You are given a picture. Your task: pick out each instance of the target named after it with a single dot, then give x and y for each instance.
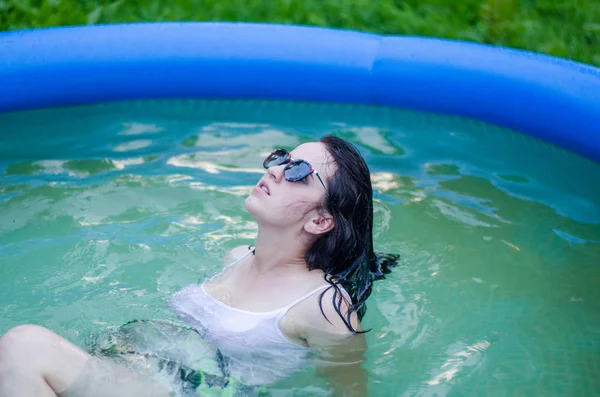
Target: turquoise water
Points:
(107, 210)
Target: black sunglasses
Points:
(295, 170)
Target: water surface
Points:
(107, 210)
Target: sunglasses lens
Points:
(277, 157)
(297, 171)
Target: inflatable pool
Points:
(549, 98)
(127, 151)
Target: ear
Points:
(319, 223)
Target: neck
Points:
(278, 249)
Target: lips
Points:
(263, 186)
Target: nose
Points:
(276, 172)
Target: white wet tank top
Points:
(256, 350)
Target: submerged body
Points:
(261, 347)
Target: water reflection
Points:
(374, 138)
(132, 145)
(469, 356)
(197, 161)
(74, 168)
(256, 136)
(239, 191)
(460, 215)
(385, 181)
(140, 129)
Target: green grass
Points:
(569, 29)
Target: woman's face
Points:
(288, 203)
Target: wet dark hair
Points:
(345, 253)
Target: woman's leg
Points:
(37, 362)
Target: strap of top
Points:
(241, 258)
(320, 288)
(235, 262)
(284, 310)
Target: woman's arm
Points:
(340, 353)
(340, 362)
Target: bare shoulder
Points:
(235, 254)
(329, 320)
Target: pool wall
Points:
(550, 98)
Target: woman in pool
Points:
(301, 288)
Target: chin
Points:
(254, 207)
(250, 204)
(264, 214)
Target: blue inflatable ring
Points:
(550, 98)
